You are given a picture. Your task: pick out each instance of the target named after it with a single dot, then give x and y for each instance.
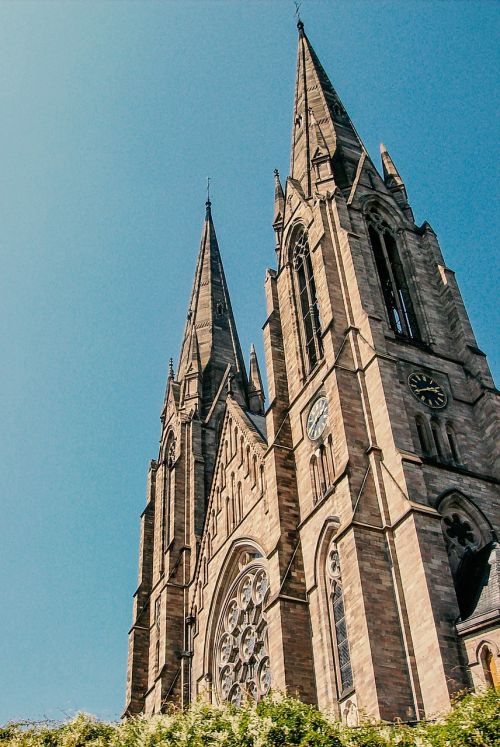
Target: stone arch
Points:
(394, 270)
(322, 586)
(488, 658)
(243, 554)
(291, 235)
(465, 527)
(380, 204)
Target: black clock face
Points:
(427, 390)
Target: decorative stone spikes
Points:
(394, 182)
(255, 388)
(391, 174)
(279, 208)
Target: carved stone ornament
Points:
(241, 666)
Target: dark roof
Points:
(478, 582)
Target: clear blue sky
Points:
(112, 114)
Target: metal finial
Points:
(297, 10)
(171, 368)
(276, 173)
(208, 190)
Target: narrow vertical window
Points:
(422, 434)
(341, 635)
(436, 436)
(307, 301)
(452, 443)
(339, 624)
(315, 478)
(392, 278)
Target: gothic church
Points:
(340, 542)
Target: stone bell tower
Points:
(394, 422)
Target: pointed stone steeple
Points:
(325, 143)
(255, 388)
(393, 181)
(211, 342)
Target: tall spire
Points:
(324, 140)
(210, 337)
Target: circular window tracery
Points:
(242, 665)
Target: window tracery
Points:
(392, 278)
(343, 656)
(465, 529)
(242, 655)
(307, 299)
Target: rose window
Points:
(242, 666)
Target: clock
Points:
(427, 390)
(317, 418)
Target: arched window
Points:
(452, 443)
(316, 490)
(241, 666)
(261, 479)
(343, 656)
(436, 437)
(240, 502)
(325, 475)
(423, 434)
(234, 508)
(307, 300)
(331, 455)
(341, 635)
(392, 278)
(469, 539)
(489, 665)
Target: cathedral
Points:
(337, 542)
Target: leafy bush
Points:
(277, 721)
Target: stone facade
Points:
(341, 544)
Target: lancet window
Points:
(307, 300)
(339, 624)
(241, 665)
(392, 278)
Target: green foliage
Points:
(277, 721)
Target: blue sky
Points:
(112, 114)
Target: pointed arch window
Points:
(343, 656)
(392, 278)
(436, 437)
(490, 671)
(307, 299)
(452, 443)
